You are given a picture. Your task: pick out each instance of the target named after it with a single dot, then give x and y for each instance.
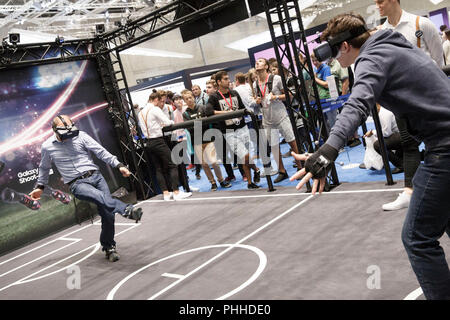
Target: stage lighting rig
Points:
(100, 28)
(14, 38)
(59, 40)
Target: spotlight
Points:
(59, 40)
(100, 28)
(14, 38)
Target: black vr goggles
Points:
(66, 132)
(330, 48)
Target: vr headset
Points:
(66, 132)
(330, 48)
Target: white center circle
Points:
(262, 264)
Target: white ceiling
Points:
(77, 18)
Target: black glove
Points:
(319, 163)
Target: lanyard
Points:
(265, 87)
(231, 100)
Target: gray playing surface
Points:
(230, 245)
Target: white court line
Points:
(26, 279)
(414, 295)
(228, 249)
(278, 195)
(96, 247)
(45, 244)
(172, 275)
(41, 257)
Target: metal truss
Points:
(286, 47)
(159, 22)
(124, 118)
(43, 53)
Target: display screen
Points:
(30, 98)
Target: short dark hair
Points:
(154, 95)
(220, 75)
(345, 22)
(240, 77)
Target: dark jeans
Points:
(411, 153)
(95, 189)
(427, 219)
(161, 158)
(393, 142)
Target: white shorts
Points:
(239, 141)
(273, 132)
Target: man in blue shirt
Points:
(322, 71)
(69, 150)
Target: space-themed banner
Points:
(29, 100)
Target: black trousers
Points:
(411, 153)
(161, 158)
(393, 142)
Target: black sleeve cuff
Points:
(329, 152)
(120, 165)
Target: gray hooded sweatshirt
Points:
(400, 77)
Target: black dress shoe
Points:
(281, 176)
(397, 170)
(133, 213)
(257, 176)
(252, 186)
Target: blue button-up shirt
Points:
(71, 157)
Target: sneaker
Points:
(168, 197)
(198, 176)
(181, 195)
(194, 189)
(362, 166)
(401, 202)
(111, 254)
(272, 172)
(230, 179)
(134, 213)
(213, 186)
(61, 196)
(235, 167)
(253, 186)
(281, 176)
(225, 184)
(257, 176)
(190, 167)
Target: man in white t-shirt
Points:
(422, 33)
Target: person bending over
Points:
(381, 75)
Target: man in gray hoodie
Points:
(402, 78)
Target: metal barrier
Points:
(222, 117)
